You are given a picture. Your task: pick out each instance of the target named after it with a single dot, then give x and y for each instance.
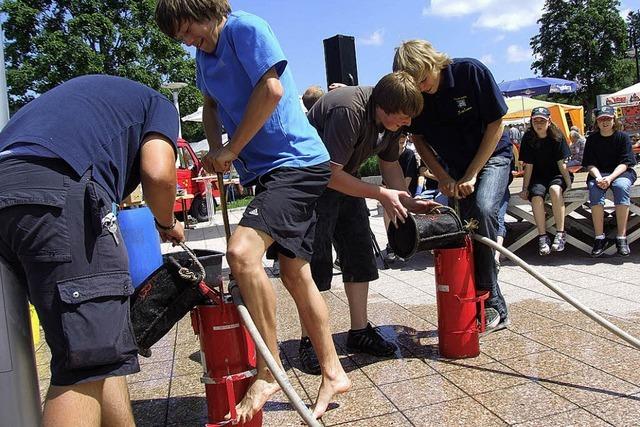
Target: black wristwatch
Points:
(162, 227)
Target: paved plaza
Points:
(552, 367)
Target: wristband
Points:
(162, 227)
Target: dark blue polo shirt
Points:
(93, 121)
(455, 118)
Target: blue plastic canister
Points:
(142, 241)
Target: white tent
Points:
(628, 96)
(194, 117)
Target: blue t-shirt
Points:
(246, 50)
(94, 121)
(455, 118)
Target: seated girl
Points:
(609, 159)
(544, 152)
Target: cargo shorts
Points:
(75, 270)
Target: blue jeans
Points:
(621, 187)
(504, 204)
(483, 205)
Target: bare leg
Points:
(116, 403)
(296, 276)
(76, 405)
(597, 215)
(557, 205)
(244, 254)
(537, 204)
(357, 295)
(622, 216)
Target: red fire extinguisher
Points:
(227, 355)
(458, 303)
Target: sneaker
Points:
(308, 359)
(370, 341)
(623, 246)
(543, 245)
(598, 247)
(491, 318)
(496, 324)
(390, 255)
(559, 241)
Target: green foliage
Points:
(585, 41)
(370, 167)
(633, 23)
(49, 42)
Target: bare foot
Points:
(257, 395)
(330, 386)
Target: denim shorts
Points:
(621, 188)
(343, 221)
(77, 276)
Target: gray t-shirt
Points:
(346, 121)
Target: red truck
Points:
(188, 166)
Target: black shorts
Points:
(77, 277)
(541, 188)
(284, 208)
(344, 221)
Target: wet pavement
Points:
(552, 366)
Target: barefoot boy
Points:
(247, 86)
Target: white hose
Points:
(586, 310)
(262, 348)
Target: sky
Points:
(497, 32)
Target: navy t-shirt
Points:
(543, 154)
(454, 119)
(607, 152)
(95, 121)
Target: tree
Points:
(584, 41)
(633, 22)
(49, 42)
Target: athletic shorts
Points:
(284, 208)
(344, 221)
(77, 276)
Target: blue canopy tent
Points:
(537, 86)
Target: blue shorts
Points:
(77, 276)
(621, 188)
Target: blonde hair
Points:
(398, 93)
(420, 59)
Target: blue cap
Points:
(540, 112)
(605, 111)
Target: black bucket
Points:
(210, 260)
(439, 229)
(166, 296)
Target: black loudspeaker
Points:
(340, 60)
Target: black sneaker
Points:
(494, 322)
(598, 247)
(308, 359)
(622, 246)
(369, 340)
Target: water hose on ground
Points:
(635, 342)
(279, 375)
